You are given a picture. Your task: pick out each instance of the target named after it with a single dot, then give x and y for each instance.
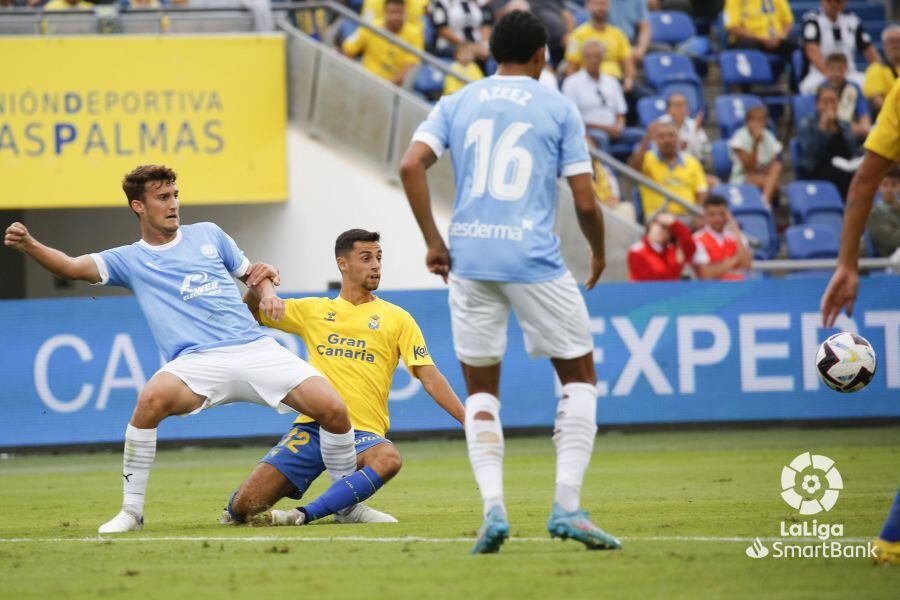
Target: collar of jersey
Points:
(165, 246)
(512, 77)
(343, 300)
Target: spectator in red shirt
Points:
(663, 251)
(721, 250)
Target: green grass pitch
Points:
(676, 499)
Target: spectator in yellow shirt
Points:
(760, 25)
(68, 5)
(465, 66)
(618, 61)
(373, 10)
(381, 56)
(880, 77)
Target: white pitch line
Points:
(404, 539)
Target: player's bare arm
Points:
(80, 268)
(590, 220)
(413, 173)
(437, 386)
(844, 285)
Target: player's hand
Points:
(17, 236)
(438, 261)
(272, 306)
(598, 263)
(258, 272)
(840, 294)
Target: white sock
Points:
(338, 453)
(140, 450)
(485, 442)
(573, 433)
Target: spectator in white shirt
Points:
(755, 154)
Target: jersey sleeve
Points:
(701, 256)
(232, 257)
(863, 39)
(435, 129)
(439, 15)
(113, 266)
(294, 317)
(810, 31)
(411, 344)
(884, 139)
(574, 158)
(356, 43)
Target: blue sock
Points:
(891, 530)
(350, 490)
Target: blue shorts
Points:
(299, 458)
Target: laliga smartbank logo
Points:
(810, 484)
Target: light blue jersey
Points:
(510, 139)
(185, 288)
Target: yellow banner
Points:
(76, 114)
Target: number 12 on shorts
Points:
(505, 169)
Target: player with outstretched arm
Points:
(882, 154)
(356, 341)
(510, 139)
(182, 277)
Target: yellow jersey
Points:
(618, 48)
(62, 5)
(884, 139)
(763, 18)
(356, 348)
(471, 70)
(379, 55)
(685, 179)
(878, 81)
(373, 10)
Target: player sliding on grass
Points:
(355, 340)
(510, 139)
(882, 154)
(216, 352)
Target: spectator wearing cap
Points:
(662, 253)
(755, 154)
(721, 250)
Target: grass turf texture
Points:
(640, 486)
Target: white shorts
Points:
(552, 314)
(261, 372)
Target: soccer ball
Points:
(846, 362)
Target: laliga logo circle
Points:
(811, 483)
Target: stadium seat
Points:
(801, 106)
(816, 203)
(742, 196)
(638, 205)
(663, 67)
(811, 241)
(721, 159)
(692, 90)
(731, 110)
(671, 27)
(429, 82)
(754, 216)
(794, 147)
(745, 67)
(650, 109)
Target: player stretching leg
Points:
(882, 154)
(510, 139)
(216, 352)
(355, 340)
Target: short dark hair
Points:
(516, 37)
(134, 183)
(400, 2)
(715, 200)
(825, 87)
(836, 57)
(344, 243)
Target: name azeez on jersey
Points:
(504, 92)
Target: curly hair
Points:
(135, 182)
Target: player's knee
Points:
(153, 404)
(334, 417)
(389, 464)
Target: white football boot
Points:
(123, 522)
(360, 513)
(288, 517)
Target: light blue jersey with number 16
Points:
(510, 139)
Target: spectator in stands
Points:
(68, 5)
(606, 188)
(459, 22)
(676, 171)
(721, 249)
(379, 55)
(559, 23)
(373, 10)
(852, 106)
(631, 17)
(826, 30)
(662, 252)
(599, 98)
(617, 58)
(755, 154)
(880, 77)
(884, 221)
(464, 65)
(760, 25)
(823, 137)
(692, 139)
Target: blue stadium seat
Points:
(811, 241)
(692, 90)
(663, 67)
(801, 106)
(346, 29)
(638, 205)
(731, 110)
(429, 82)
(650, 109)
(671, 27)
(794, 147)
(816, 203)
(721, 159)
(742, 197)
(745, 67)
(753, 214)
(874, 28)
